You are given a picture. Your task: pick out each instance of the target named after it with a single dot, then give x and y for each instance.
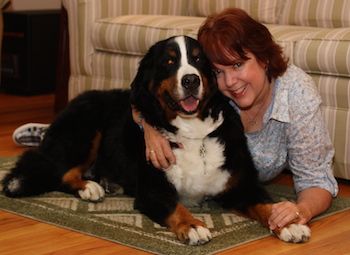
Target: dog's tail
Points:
(33, 174)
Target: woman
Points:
(279, 108)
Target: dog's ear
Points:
(144, 73)
(143, 96)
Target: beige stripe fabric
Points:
(335, 94)
(72, 10)
(338, 125)
(81, 83)
(266, 11)
(315, 50)
(317, 13)
(287, 36)
(116, 67)
(335, 91)
(83, 13)
(140, 32)
(325, 51)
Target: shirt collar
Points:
(280, 102)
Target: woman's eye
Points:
(237, 65)
(217, 72)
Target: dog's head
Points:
(174, 78)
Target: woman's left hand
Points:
(286, 212)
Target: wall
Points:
(19, 5)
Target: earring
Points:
(267, 67)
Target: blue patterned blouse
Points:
(294, 135)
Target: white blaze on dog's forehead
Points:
(185, 67)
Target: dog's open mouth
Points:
(189, 105)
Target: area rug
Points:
(115, 219)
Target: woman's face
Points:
(245, 81)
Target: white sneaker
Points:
(30, 134)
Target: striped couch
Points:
(107, 39)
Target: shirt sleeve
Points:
(310, 150)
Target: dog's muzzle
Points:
(190, 82)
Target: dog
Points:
(175, 90)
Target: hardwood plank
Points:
(20, 235)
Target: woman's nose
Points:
(230, 79)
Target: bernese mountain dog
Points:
(176, 92)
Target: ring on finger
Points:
(152, 151)
(297, 214)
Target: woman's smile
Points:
(239, 92)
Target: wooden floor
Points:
(23, 236)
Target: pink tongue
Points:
(189, 104)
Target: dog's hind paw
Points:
(199, 235)
(295, 233)
(12, 186)
(92, 192)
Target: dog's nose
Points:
(190, 81)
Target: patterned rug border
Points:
(102, 228)
(58, 218)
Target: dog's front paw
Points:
(193, 235)
(295, 233)
(187, 228)
(199, 235)
(92, 192)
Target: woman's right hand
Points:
(158, 149)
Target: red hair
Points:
(229, 35)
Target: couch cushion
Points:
(315, 50)
(330, 13)
(121, 68)
(287, 36)
(266, 11)
(140, 32)
(326, 51)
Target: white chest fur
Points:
(198, 170)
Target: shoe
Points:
(30, 134)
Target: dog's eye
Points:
(196, 59)
(170, 62)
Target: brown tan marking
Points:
(206, 87)
(167, 86)
(206, 96)
(181, 221)
(231, 183)
(172, 53)
(260, 212)
(195, 52)
(73, 177)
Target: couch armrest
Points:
(63, 66)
